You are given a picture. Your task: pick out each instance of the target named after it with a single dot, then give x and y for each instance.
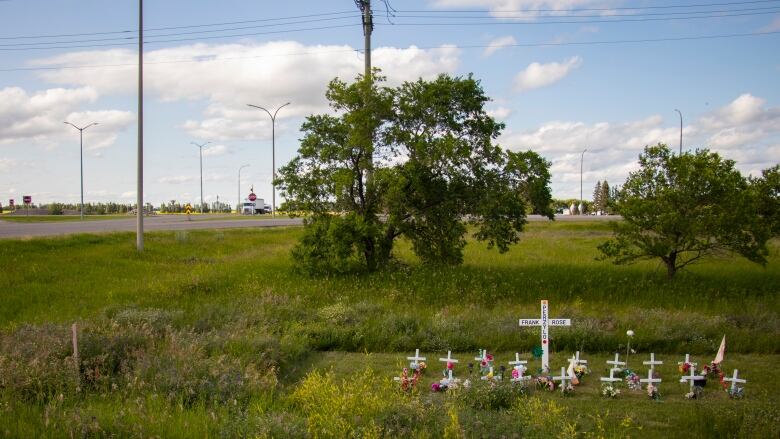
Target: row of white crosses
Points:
(616, 363)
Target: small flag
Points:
(721, 351)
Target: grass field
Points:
(213, 334)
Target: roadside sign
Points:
(11, 202)
(252, 197)
(27, 199)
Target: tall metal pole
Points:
(140, 183)
(368, 27)
(582, 158)
(81, 160)
(238, 206)
(200, 147)
(273, 153)
(681, 126)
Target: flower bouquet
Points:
(545, 383)
(567, 390)
(652, 392)
(632, 380)
(736, 392)
(609, 391)
(581, 370)
(696, 393)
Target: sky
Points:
(564, 76)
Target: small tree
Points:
(604, 197)
(681, 208)
(415, 161)
(597, 197)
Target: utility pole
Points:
(273, 154)
(238, 206)
(81, 159)
(200, 147)
(681, 126)
(139, 232)
(582, 158)
(368, 27)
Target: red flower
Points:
(489, 357)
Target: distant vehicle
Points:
(256, 207)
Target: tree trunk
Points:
(671, 265)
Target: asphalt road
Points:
(10, 229)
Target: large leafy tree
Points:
(419, 161)
(682, 208)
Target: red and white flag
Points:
(721, 351)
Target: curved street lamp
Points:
(273, 153)
(582, 158)
(81, 159)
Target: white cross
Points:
(687, 360)
(545, 322)
(563, 378)
(616, 362)
(734, 380)
(482, 355)
(447, 362)
(692, 377)
(652, 362)
(415, 364)
(612, 378)
(518, 366)
(576, 358)
(650, 380)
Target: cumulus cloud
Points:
(216, 150)
(177, 179)
(744, 130)
(498, 44)
(229, 76)
(39, 116)
(500, 112)
(538, 75)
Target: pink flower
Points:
(483, 363)
(435, 387)
(515, 373)
(489, 357)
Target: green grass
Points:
(199, 309)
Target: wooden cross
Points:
(616, 362)
(576, 358)
(734, 380)
(483, 357)
(650, 380)
(652, 362)
(692, 377)
(612, 378)
(415, 364)
(518, 365)
(563, 378)
(447, 362)
(544, 322)
(687, 360)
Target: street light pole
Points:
(200, 147)
(238, 206)
(273, 153)
(139, 227)
(81, 159)
(582, 158)
(681, 126)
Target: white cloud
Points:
(177, 179)
(538, 75)
(498, 44)
(39, 116)
(500, 113)
(229, 76)
(7, 164)
(511, 8)
(216, 150)
(744, 130)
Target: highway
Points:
(11, 229)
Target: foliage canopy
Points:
(413, 161)
(681, 208)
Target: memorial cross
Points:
(415, 364)
(650, 380)
(616, 362)
(692, 377)
(563, 378)
(576, 357)
(652, 362)
(447, 361)
(734, 380)
(518, 365)
(544, 322)
(687, 360)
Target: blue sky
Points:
(556, 95)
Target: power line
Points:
(441, 47)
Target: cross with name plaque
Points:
(544, 322)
